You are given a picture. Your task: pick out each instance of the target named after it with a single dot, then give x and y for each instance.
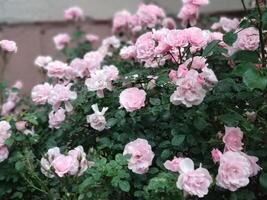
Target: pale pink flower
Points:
(111, 71)
(3, 153)
(40, 93)
(182, 71)
(61, 40)
(7, 107)
(94, 60)
(169, 23)
(5, 132)
(177, 38)
(247, 39)
(233, 139)
(189, 14)
(121, 20)
(254, 167)
(174, 164)
(197, 2)
(173, 76)
(97, 120)
(56, 118)
(127, 53)
(111, 42)
(80, 67)
(42, 61)
(74, 13)
(196, 62)
(18, 85)
(98, 82)
(62, 164)
(145, 46)
(56, 69)
(141, 155)
(193, 181)
(21, 125)
(210, 78)
(46, 161)
(216, 155)
(234, 171)
(226, 24)
(196, 37)
(92, 38)
(8, 46)
(132, 99)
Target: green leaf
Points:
(124, 186)
(210, 47)
(263, 180)
(240, 69)
(177, 140)
(264, 18)
(254, 80)
(111, 122)
(229, 38)
(154, 101)
(246, 56)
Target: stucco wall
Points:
(16, 11)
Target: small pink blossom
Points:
(21, 125)
(226, 24)
(177, 38)
(62, 164)
(247, 39)
(40, 93)
(173, 165)
(56, 69)
(80, 67)
(233, 139)
(196, 62)
(132, 99)
(3, 153)
(8, 46)
(121, 20)
(196, 37)
(92, 38)
(61, 40)
(173, 76)
(74, 13)
(56, 118)
(145, 46)
(216, 155)
(169, 23)
(189, 14)
(193, 181)
(127, 53)
(42, 61)
(141, 155)
(94, 60)
(97, 120)
(7, 107)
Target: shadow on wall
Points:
(36, 39)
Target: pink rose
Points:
(56, 69)
(194, 182)
(46, 161)
(127, 53)
(18, 85)
(226, 24)
(3, 153)
(8, 46)
(182, 71)
(98, 82)
(234, 171)
(233, 139)
(120, 20)
(62, 164)
(56, 118)
(173, 165)
(196, 37)
(7, 107)
(173, 76)
(111, 72)
(42, 61)
(92, 38)
(196, 62)
(40, 93)
(145, 46)
(21, 125)
(5, 130)
(97, 120)
(216, 155)
(80, 67)
(169, 23)
(132, 99)
(210, 78)
(93, 59)
(189, 14)
(141, 155)
(61, 40)
(177, 38)
(247, 39)
(74, 14)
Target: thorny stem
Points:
(260, 27)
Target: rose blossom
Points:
(62, 164)
(92, 38)
(98, 82)
(3, 153)
(80, 67)
(21, 125)
(196, 62)
(174, 164)
(189, 14)
(247, 39)
(40, 93)
(145, 46)
(210, 78)
(42, 61)
(46, 161)
(74, 13)
(169, 23)
(173, 76)
(141, 155)
(233, 139)
(94, 60)
(56, 118)
(196, 37)
(127, 53)
(234, 171)
(7, 107)
(226, 24)
(56, 69)
(120, 20)
(61, 40)
(132, 99)
(8, 46)
(177, 38)
(193, 181)
(97, 120)
(216, 155)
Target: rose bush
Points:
(155, 112)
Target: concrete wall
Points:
(17, 11)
